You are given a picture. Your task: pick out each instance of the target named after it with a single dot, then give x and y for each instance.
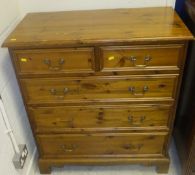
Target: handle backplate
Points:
(48, 62)
(147, 59)
(132, 90)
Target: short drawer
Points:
(50, 61)
(126, 58)
(107, 145)
(99, 118)
(98, 88)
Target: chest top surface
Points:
(97, 26)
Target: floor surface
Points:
(118, 170)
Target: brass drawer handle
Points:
(54, 92)
(54, 68)
(66, 90)
(133, 90)
(131, 120)
(69, 148)
(147, 59)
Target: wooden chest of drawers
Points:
(100, 87)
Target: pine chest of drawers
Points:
(100, 87)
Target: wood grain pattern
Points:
(115, 58)
(50, 61)
(91, 88)
(45, 163)
(86, 110)
(100, 118)
(105, 145)
(97, 26)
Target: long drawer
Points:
(99, 88)
(54, 61)
(115, 58)
(61, 119)
(110, 145)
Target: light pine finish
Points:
(133, 58)
(49, 61)
(106, 145)
(98, 27)
(101, 87)
(100, 118)
(93, 88)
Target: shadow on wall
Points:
(179, 7)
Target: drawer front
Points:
(101, 88)
(88, 118)
(141, 57)
(126, 144)
(50, 61)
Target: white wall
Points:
(9, 10)
(62, 5)
(9, 91)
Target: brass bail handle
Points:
(56, 92)
(147, 59)
(48, 62)
(132, 90)
(131, 119)
(69, 148)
